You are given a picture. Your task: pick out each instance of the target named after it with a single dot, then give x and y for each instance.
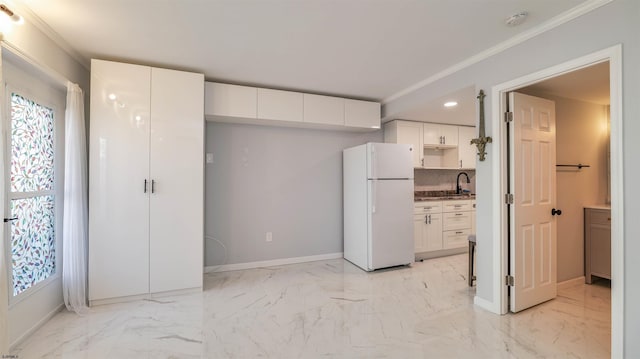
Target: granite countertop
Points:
(419, 196)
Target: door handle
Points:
(10, 219)
(556, 212)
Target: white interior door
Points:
(532, 242)
(177, 175)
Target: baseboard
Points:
(571, 283)
(271, 263)
(133, 298)
(486, 305)
(441, 253)
(35, 327)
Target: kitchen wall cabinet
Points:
(145, 181)
(438, 135)
(361, 114)
(259, 106)
(231, 100)
(436, 146)
(466, 151)
(442, 227)
(280, 105)
(325, 110)
(406, 132)
(597, 238)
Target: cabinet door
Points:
(466, 151)
(280, 105)
(433, 232)
(177, 172)
(455, 239)
(363, 114)
(431, 134)
(449, 135)
(230, 100)
(418, 232)
(456, 220)
(411, 133)
(118, 167)
(323, 110)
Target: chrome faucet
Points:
(458, 187)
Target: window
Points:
(31, 193)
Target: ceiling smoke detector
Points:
(516, 19)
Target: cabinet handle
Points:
(145, 185)
(458, 232)
(426, 219)
(429, 219)
(444, 140)
(422, 161)
(460, 163)
(458, 214)
(153, 186)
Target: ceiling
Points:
(435, 111)
(590, 84)
(368, 49)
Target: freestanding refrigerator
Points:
(378, 205)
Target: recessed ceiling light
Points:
(450, 104)
(112, 96)
(516, 19)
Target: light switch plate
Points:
(209, 158)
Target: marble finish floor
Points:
(332, 309)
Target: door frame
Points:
(500, 213)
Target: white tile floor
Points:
(332, 309)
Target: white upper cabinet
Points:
(280, 105)
(466, 151)
(409, 133)
(259, 106)
(325, 110)
(230, 100)
(437, 135)
(361, 113)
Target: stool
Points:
(472, 250)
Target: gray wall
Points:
(287, 181)
(615, 23)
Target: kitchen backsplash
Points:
(440, 180)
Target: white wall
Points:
(287, 181)
(38, 47)
(615, 23)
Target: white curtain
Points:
(74, 233)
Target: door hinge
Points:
(508, 117)
(509, 281)
(508, 198)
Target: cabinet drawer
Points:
(600, 216)
(456, 220)
(456, 206)
(427, 207)
(455, 239)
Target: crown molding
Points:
(32, 18)
(552, 23)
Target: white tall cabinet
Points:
(146, 181)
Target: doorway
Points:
(501, 223)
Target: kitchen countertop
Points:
(420, 196)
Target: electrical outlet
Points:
(269, 236)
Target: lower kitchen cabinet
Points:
(442, 227)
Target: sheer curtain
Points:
(74, 233)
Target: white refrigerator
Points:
(378, 205)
